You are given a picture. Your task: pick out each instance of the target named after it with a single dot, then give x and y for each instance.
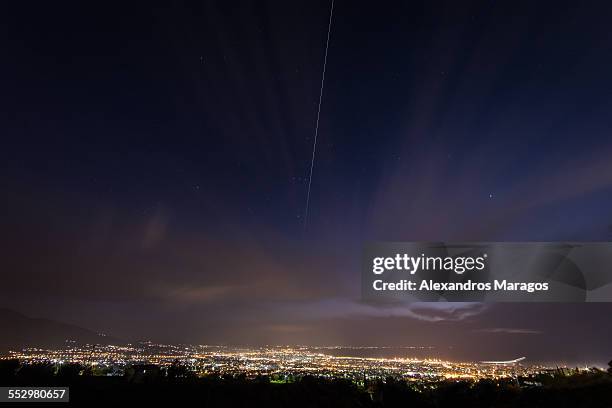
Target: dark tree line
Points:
(177, 385)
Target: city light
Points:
(275, 361)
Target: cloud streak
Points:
(505, 330)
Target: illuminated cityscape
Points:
(282, 363)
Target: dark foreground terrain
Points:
(151, 386)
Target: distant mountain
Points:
(18, 331)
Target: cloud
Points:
(347, 308)
(506, 330)
(447, 311)
(155, 229)
(287, 328)
(202, 294)
(412, 200)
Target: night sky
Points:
(155, 161)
